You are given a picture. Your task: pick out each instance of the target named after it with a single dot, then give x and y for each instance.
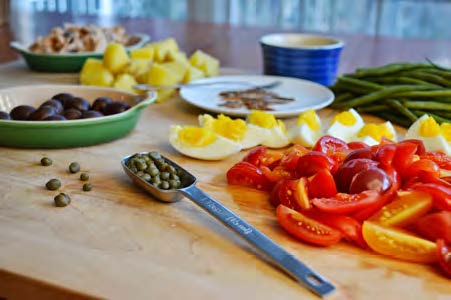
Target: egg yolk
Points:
(226, 127)
(445, 130)
(262, 119)
(192, 136)
(429, 127)
(346, 118)
(376, 131)
(309, 117)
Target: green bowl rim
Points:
(149, 98)
(15, 45)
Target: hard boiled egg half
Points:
(307, 129)
(201, 143)
(371, 133)
(277, 135)
(345, 125)
(430, 132)
(248, 135)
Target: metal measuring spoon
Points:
(281, 258)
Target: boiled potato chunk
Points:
(125, 82)
(115, 58)
(205, 62)
(178, 67)
(137, 66)
(193, 73)
(161, 75)
(176, 56)
(142, 53)
(95, 73)
(164, 95)
(161, 48)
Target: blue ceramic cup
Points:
(305, 56)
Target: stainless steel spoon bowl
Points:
(277, 255)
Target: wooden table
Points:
(117, 242)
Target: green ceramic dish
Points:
(70, 133)
(64, 63)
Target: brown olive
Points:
(42, 113)
(72, 114)
(63, 97)
(4, 116)
(56, 104)
(21, 112)
(115, 108)
(77, 103)
(100, 103)
(91, 114)
(55, 118)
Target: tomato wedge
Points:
(261, 156)
(343, 203)
(399, 244)
(322, 185)
(294, 194)
(440, 193)
(385, 154)
(435, 226)
(290, 158)
(305, 228)
(246, 174)
(357, 145)
(310, 163)
(330, 145)
(422, 167)
(440, 158)
(404, 156)
(444, 256)
(404, 209)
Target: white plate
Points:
(307, 94)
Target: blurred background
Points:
(420, 19)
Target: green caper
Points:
(61, 200)
(160, 163)
(134, 169)
(145, 158)
(174, 183)
(139, 173)
(87, 187)
(74, 167)
(165, 175)
(174, 176)
(45, 161)
(154, 155)
(53, 184)
(146, 177)
(84, 176)
(171, 169)
(141, 165)
(164, 185)
(156, 180)
(153, 171)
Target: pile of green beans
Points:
(398, 92)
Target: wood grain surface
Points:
(117, 242)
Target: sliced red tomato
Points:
(348, 226)
(405, 209)
(246, 174)
(294, 194)
(399, 244)
(345, 173)
(372, 179)
(421, 149)
(440, 193)
(385, 198)
(290, 158)
(322, 185)
(343, 203)
(357, 145)
(444, 256)
(306, 229)
(404, 156)
(310, 163)
(274, 195)
(440, 158)
(261, 156)
(333, 147)
(435, 226)
(385, 154)
(422, 167)
(278, 173)
(359, 153)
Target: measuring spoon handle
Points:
(290, 264)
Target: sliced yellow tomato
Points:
(399, 244)
(404, 209)
(301, 195)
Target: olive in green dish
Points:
(64, 63)
(67, 133)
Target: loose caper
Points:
(84, 176)
(53, 184)
(45, 161)
(61, 200)
(87, 187)
(74, 167)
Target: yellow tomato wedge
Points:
(404, 209)
(302, 195)
(399, 244)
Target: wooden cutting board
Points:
(118, 242)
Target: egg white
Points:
(254, 136)
(277, 138)
(436, 143)
(219, 149)
(303, 135)
(344, 132)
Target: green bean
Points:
(428, 105)
(396, 105)
(343, 97)
(363, 84)
(401, 80)
(444, 114)
(431, 78)
(388, 69)
(389, 91)
(438, 118)
(444, 74)
(373, 108)
(427, 94)
(394, 118)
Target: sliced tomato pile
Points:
(394, 198)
